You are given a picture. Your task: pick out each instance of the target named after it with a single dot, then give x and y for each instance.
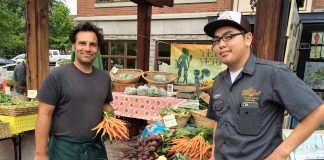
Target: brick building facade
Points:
(182, 23)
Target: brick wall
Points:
(319, 4)
(86, 8)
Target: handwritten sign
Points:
(31, 93)
(3, 73)
(7, 90)
(114, 70)
(169, 120)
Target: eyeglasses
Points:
(226, 37)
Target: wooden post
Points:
(267, 29)
(37, 42)
(144, 17)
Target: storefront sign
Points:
(194, 63)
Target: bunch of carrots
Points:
(115, 128)
(195, 148)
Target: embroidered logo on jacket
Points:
(250, 94)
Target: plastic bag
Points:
(155, 128)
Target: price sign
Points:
(7, 90)
(191, 104)
(31, 93)
(114, 70)
(169, 120)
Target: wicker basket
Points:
(4, 130)
(181, 119)
(201, 120)
(17, 111)
(191, 87)
(149, 77)
(136, 75)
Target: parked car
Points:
(4, 61)
(19, 58)
(56, 55)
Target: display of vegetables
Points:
(126, 76)
(144, 149)
(177, 142)
(142, 90)
(153, 92)
(8, 102)
(160, 78)
(172, 110)
(130, 90)
(195, 148)
(115, 128)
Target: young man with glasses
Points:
(248, 99)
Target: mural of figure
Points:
(183, 62)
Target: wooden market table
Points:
(141, 107)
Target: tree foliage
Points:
(60, 23)
(12, 26)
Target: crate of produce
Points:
(159, 79)
(21, 123)
(4, 130)
(126, 75)
(200, 119)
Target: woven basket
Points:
(4, 130)
(136, 75)
(32, 110)
(14, 112)
(191, 87)
(181, 119)
(201, 120)
(149, 77)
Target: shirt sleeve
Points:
(210, 112)
(49, 92)
(290, 91)
(109, 93)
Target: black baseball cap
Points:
(228, 18)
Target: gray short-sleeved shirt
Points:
(78, 99)
(249, 112)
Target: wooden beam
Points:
(37, 42)
(156, 3)
(144, 16)
(267, 29)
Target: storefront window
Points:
(117, 48)
(120, 54)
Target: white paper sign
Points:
(3, 73)
(31, 93)
(7, 90)
(114, 70)
(169, 120)
(191, 104)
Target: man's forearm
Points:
(43, 124)
(302, 131)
